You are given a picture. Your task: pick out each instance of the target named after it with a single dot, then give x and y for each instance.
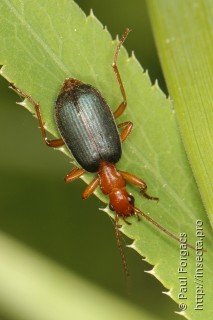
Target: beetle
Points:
(88, 129)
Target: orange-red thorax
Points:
(113, 184)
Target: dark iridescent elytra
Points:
(87, 126)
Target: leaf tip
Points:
(182, 313)
(132, 56)
(91, 18)
(105, 29)
(2, 70)
(156, 87)
(152, 271)
(91, 13)
(117, 38)
(132, 245)
(156, 84)
(22, 103)
(104, 209)
(168, 293)
(146, 74)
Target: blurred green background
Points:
(32, 173)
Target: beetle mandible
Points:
(87, 127)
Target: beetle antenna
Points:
(137, 211)
(123, 38)
(117, 236)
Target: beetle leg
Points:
(126, 131)
(120, 109)
(123, 105)
(138, 183)
(127, 222)
(74, 174)
(55, 143)
(137, 215)
(77, 173)
(51, 143)
(90, 188)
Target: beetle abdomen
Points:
(87, 126)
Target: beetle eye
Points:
(111, 207)
(131, 199)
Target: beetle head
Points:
(122, 202)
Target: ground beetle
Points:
(87, 127)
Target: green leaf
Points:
(41, 45)
(185, 45)
(183, 32)
(41, 289)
